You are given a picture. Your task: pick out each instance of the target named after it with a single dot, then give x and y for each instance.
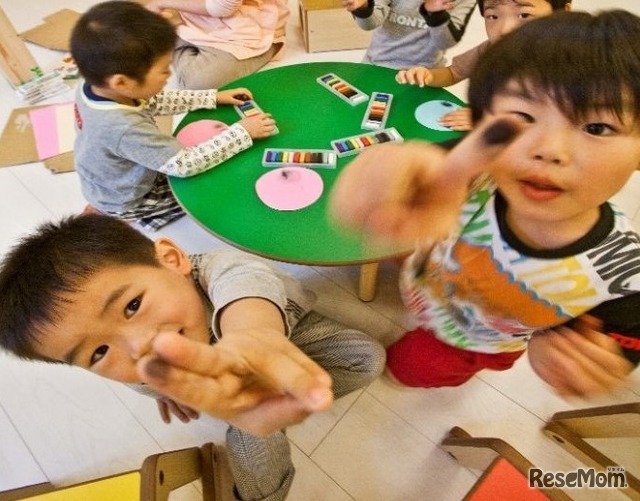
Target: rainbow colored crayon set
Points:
(249, 109)
(342, 89)
(355, 144)
(276, 157)
(377, 111)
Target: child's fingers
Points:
(481, 148)
(588, 368)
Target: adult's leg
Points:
(210, 68)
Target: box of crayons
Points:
(355, 144)
(377, 111)
(276, 157)
(342, 89)
(249, 109)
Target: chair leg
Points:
(570, 429)
(368, 279)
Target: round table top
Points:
(224, 200)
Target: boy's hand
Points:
(579, 361)
(459, 119)
(167, 407)
(259, 382)
(438, 5)
(417, 75)
(352, 5)
(259, 126)
(233, 96)
(413, 191)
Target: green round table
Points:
(309, 116)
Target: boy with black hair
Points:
(123, 51)
(519, 247)
(92, 291)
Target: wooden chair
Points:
(505, 470)
(571, 429)
(159, 475)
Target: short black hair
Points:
(119, 37)
(54, 261)
(581, 60)
(555, 4)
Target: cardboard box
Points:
(326, 25)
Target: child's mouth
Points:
(539, 191)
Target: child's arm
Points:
(173, 102)
(579, 360)
(414, 191)
(200, 7)
(421, 76)
(367, 14)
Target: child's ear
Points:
(171, 256)
(120, 83)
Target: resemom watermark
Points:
(613, 478)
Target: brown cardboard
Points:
(60, 163)
(18, 145)
(55, 32)
(326, 25)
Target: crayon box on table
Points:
(326, 25)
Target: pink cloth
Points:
(244, 28)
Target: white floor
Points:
(64, 425)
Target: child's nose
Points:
(552, 149)
(140, 343)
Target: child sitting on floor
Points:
(520, 248)
(94, 292)
(123, 52)
(500, 17)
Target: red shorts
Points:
(420, 359)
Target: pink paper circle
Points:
(199, 131)
(289, 188)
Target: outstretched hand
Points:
(413, 192)
(579, 360)
(259, 382)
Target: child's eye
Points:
(526, 15)
(525, 117)
(100, 352)
(599, 129)
(132, 307)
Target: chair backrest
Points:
(159, 475)
(505, 470)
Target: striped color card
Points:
(276, 157)
(53, 129)
(355, 144)
(342, 89)
(377, 111)
(250, 109)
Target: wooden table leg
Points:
(368, 278)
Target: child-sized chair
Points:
(159, 475)
(504, 469)
(572, 429)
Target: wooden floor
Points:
(65, 425)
